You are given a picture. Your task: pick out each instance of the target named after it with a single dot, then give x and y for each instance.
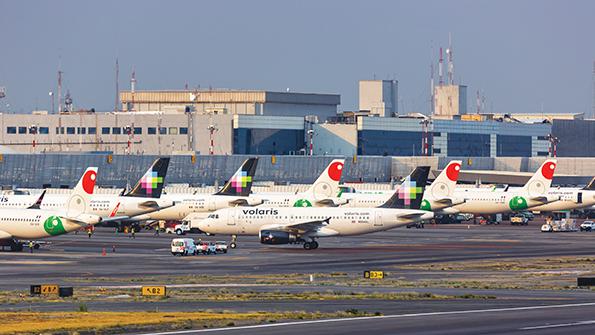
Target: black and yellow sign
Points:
(44, 289)
(374, 274)
(153, 290)
(49, 289)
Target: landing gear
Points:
(311, 245)
(233, 243)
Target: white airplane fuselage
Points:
(186, 204)
(104, 205)
(495, 202)
(341, 221)
(35, 223)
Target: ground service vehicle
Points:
(206, 248)
(183, 247)
(221, 246)
(588, 226)
(519, 220)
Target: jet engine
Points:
(277, 237)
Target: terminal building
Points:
(288, 123)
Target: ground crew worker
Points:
(132, 233)
(89, 232)
(31, 246)
(157, 230)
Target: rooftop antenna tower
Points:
(450, 63)
(60, 91)
(117, 103)
(431, 88)
(440, 62)
(132, 88)
(593, 112)
(478, 102)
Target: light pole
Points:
(553, 145)
(51, 94)
(311, 136)
(212, 129)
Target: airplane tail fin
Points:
(444, 185)
(590, 186)
(327, 183)
(150, 185)
(541, 180)
(240, 183)
(80, 198)
(410, 193)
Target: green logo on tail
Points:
(53, 226)
(518, 203)
(302, 203)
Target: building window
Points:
(116, 130)
(151, 130)
(22, 130)
(11, 130)
(92, 131)
(173, 130)
(44, 130)
(183, 130)
(163, 130)
(138, 130)
(543, 153)
(60, 130)
(81, 130)
(70, 130)
(437, 150)
(105, 130)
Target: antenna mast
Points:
(60, 91)
(450, 62)
(117, 104)
(440, 61)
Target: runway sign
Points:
(153, 291)
(374, 274)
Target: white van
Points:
(183, 247)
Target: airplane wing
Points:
(115, 218)
(243, 202)
(306, 226)
(412, 215)
(153, 204)
(4, 235)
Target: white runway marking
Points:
(296, 323)
(578, 323)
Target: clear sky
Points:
(525, 55)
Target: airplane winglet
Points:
(37, 204)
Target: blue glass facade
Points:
(249, 141)
(476, 145)
(513, 146)
(389, 143)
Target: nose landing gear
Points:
(233, 244)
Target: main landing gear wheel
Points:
(311, 245)
(233, 243)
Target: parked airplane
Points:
(533, 194)
(234, 193)
(323, 193)
(570, 198)
(439, 195)
(284, 225)
(143, 198)
(36, 223)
